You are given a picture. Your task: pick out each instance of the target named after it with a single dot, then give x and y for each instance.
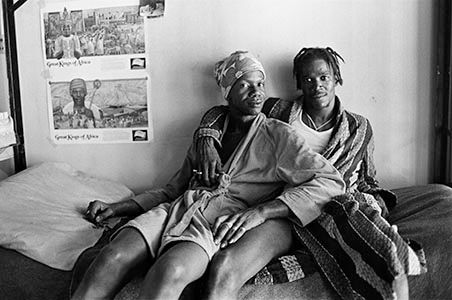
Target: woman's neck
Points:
(240, 124)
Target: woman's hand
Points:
(98, 212)
(209, 162)
(230, 228)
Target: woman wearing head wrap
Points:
(346, 140)
(186, 227)
(230, 69)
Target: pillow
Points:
(41, 212)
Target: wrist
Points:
(263, 212)
(273, 209)
(126, 208)
(208, 136)
(116, 209)
(204, 142)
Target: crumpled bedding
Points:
(423, 213)
(41, 212)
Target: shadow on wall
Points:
(285, 86)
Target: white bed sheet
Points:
(41, 212)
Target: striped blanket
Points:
(351, 243)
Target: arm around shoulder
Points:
(212, 123)
(205, 138)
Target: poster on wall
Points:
(83, 36)
(87, 110)
(95, 62)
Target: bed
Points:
(43, 236)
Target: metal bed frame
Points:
(9, 9)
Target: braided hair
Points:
(308, 54)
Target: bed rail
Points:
(9, 9)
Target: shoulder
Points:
(280, 131)
(283, 138)
(356, 120)
(68, 107)
(276, 124)
(214, 115)
(277, 108)
(355, 125)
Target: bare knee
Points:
(128, 249)
(222, 274)
(114, 256)
(103, 276)
(172, 272)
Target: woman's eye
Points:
(308, 80)
(325, 77)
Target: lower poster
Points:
(83, 110)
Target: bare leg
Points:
(111, 269)
(232, 267)
(180, 265)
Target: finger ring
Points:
(196, 172)
(242, 228)
(227, 225)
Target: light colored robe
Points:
(272, 156)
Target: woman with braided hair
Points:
(346, 140)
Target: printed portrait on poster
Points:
(82, 104)
(100, 111)
(85, 32)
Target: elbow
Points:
(337, 186)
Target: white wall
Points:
(387, 46)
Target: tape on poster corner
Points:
(51, 142)
(45, 74)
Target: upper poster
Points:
(98, 85)
(93, 36)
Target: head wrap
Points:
(77, 83)
(231, 68)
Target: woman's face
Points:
(318, 84)
(247, 95)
